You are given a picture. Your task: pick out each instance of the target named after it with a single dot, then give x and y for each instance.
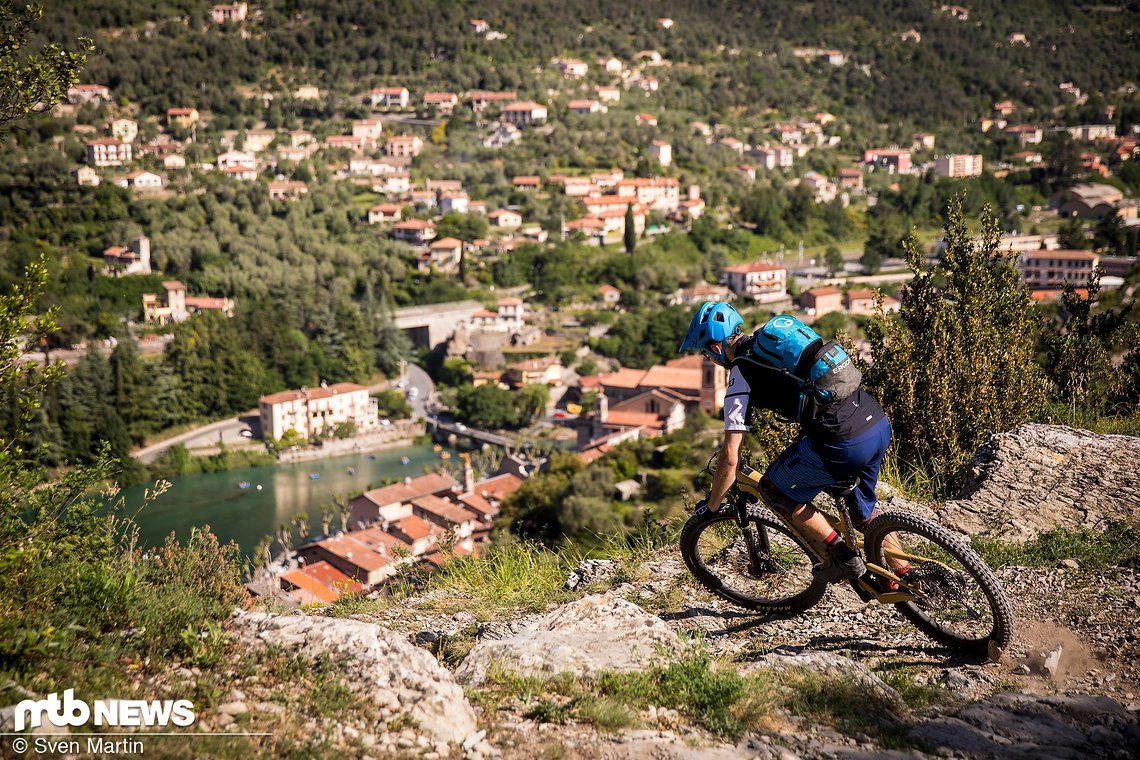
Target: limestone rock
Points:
(590, 635)
(834, 665)
(590, 571)
(1039, 477)
(403, 679)
(1027, 726)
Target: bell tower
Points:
(714, 381)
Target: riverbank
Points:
(247, 503)
(392, 436)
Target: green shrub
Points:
(957, 365)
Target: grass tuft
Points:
(1117, 546)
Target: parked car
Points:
(385, 422)
(247, 433)
(413, 392)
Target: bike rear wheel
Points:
(715, 551)
(962, 604)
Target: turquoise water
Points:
(245, 516)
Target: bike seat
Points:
(842, 489)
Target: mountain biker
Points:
(839, 440)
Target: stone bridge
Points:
(432, 324)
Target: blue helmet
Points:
(714, 322)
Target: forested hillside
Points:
(739, 53)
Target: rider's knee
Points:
(858, 521)
(775, 498)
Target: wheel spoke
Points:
(718, 555)
(959, 601)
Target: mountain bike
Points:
(747, 555)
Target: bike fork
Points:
(755, 539)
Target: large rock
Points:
(403, 679)
(833, 666)
(1036, 728)
(1040, 477)
(593, 634)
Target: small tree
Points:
(344, 510)
(30, 83)
(301, 523)
(1081, 350)
(958, 365)
(834, 260)
(630, 236)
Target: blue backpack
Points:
(823, 369)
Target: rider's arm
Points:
(725, 467)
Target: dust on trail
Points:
(1042, 639)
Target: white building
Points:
(232, 158)
(390, 97)
(125, 129)
(661, 152)
(316, 411)
(133, 260)
(230, 12)
(85, 176)
(524, 113)
(657, 193)
(959, 165)
(141, 180)
(108, 151)
(456, 202)
(760, 281)
(571, 68)
(822, 189)
(502, 136)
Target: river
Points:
(286, 491)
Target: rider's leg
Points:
(806, 518)
(864, 502)
(840, 563)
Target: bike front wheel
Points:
(716, 553)
(961, 603)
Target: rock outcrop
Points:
(1028, 726)
(1042, 476)
(401, 678)
(593, 634)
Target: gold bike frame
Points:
(748, 480)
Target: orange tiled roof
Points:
(681, 378)
(399, 493)
(448, 510)
(756, 266)
(313, 393)
(302, 580)
(688, 361)
(499, 487)
(354, 552)
(623, 378)
(414, 527)
(329, 576)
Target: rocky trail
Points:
(1068, 686)
(437, 676)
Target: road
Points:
(229, 430)
(71, 356)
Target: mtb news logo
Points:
(70, 711)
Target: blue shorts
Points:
(806, 467)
